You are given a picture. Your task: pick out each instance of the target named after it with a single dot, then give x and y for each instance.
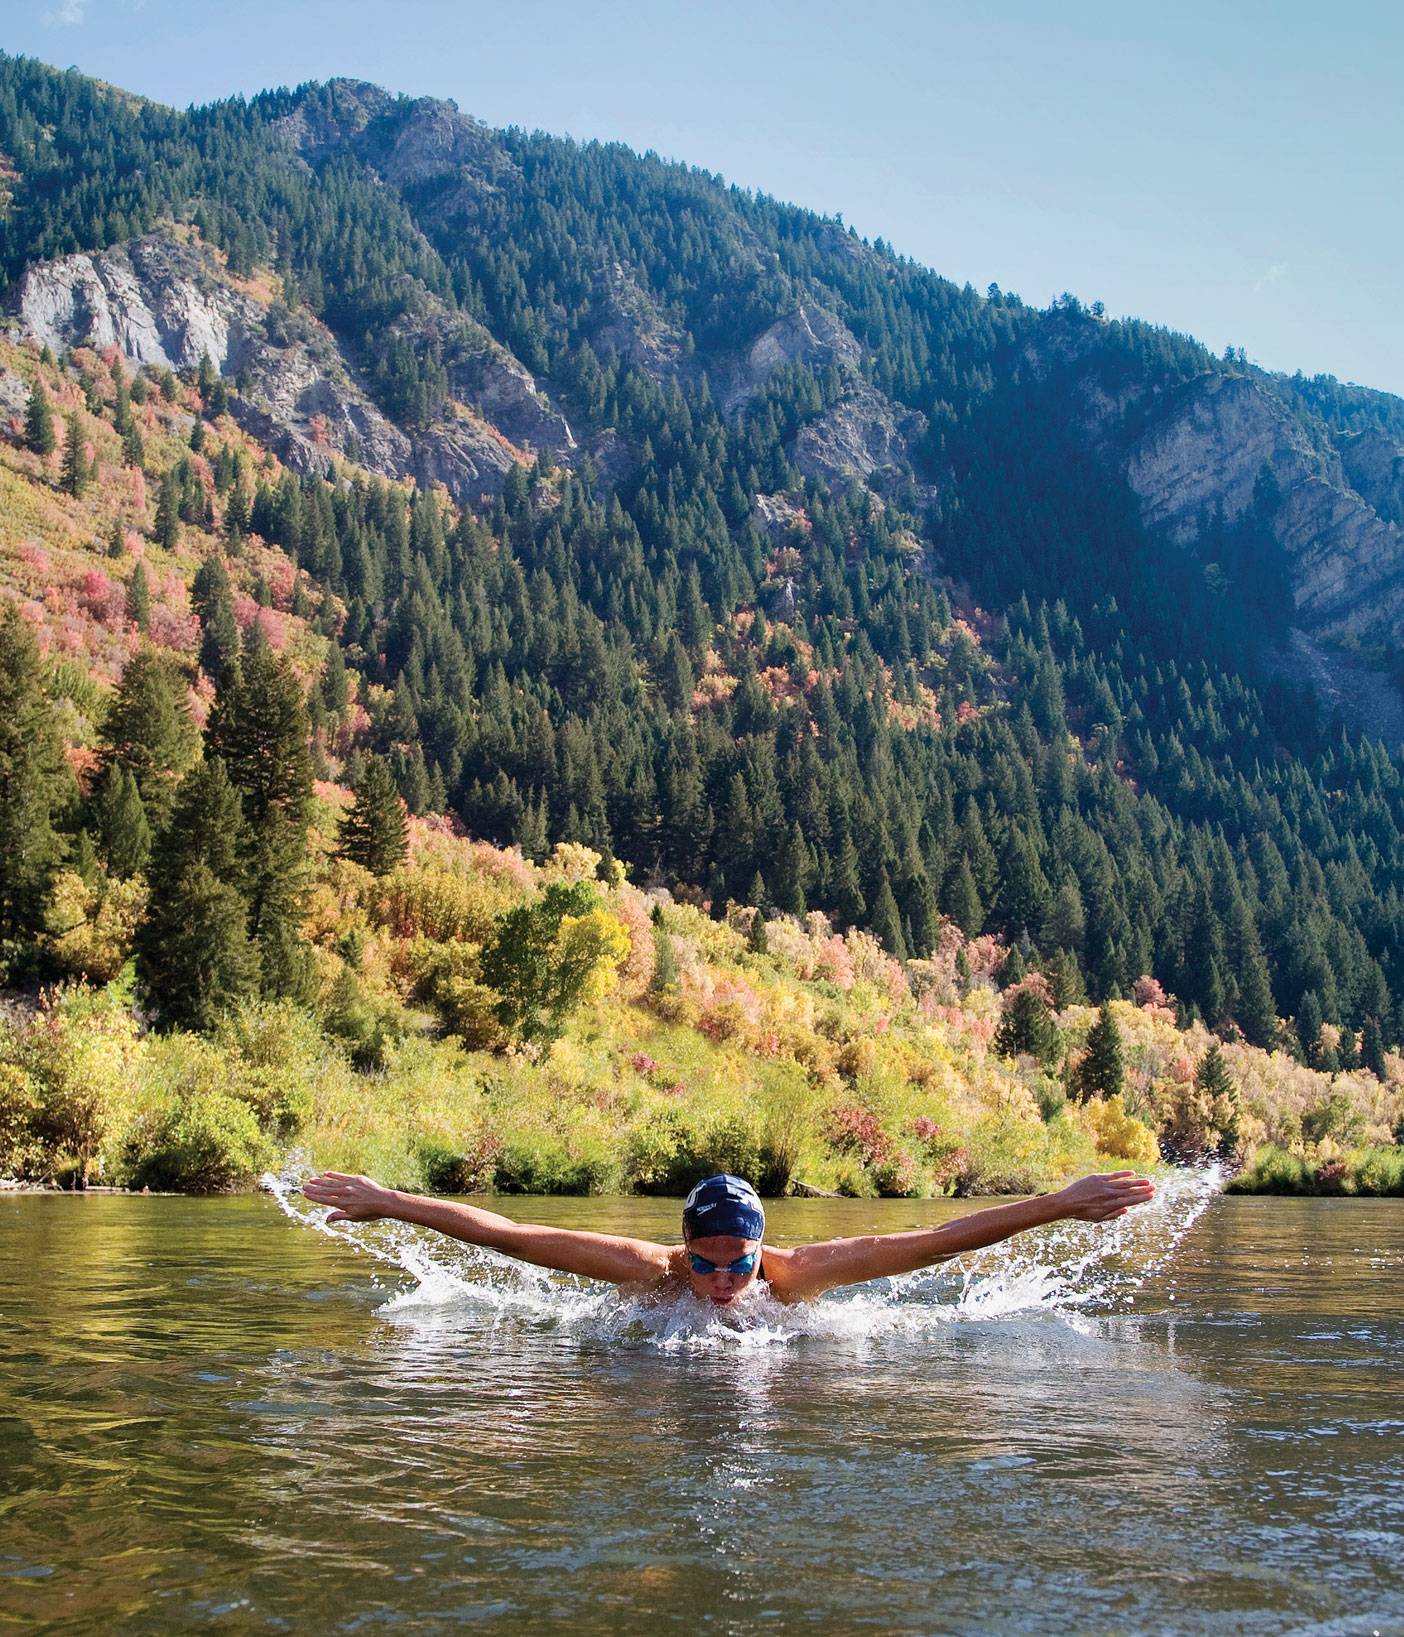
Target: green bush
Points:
(1274, 1172)
(207, 1143)
(538, 1165)
(447, 1169)
(673, 1150)
(1380, 1171)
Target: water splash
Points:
(1066, 1269)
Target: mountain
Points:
(761, 557)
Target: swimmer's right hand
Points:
(353, 1199)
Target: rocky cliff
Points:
(167, 300)
(1195, 453)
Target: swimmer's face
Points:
(722, 1286)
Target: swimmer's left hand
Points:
(1100, 1198)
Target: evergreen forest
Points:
(973, 690)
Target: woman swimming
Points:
(722, 1255)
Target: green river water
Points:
(215, 1417)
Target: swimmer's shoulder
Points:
(780, 1270)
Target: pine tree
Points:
(1219, 1089)
(845, 891)
(791, 872)
(133, 449)
(1027, 1026)
(138, 601)
(39, 422)
(193, 955)
(374, 833)
(1254, 1011)
(166, 529)
(665, 964)
(120, 821)
(963, 901)
(886, 922)
(34, 780)
(758, 940)
(677, 677)
(1372, 1050)
(758, 893)
(258, 726)
(121, 402)
(150, 731)
(1103, 1070)
(75, 474)
(212, 598)
(1309, 1020)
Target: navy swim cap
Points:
(723, 1205)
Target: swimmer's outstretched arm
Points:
(808, 1270)
(593, 1255)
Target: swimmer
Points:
(722, 1257)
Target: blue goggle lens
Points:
(742, 1264)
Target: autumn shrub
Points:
(275, 1051)
(21, 1153)
(671, 1149)
(1118, 1134)
(200, 1143)
(1380, 1170)
(1274, 1171)
(440, 903)
(91, 932)
(81, 1059)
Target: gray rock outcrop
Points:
(167, 302)
(857, 437)
(631, 323)
(1373, 463)
(505, 390)
(403, 141)
(1207, 452)
(1197, 451)
(809, 335)
(157, 300)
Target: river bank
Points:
(772, 1046)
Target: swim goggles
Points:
(742, 1264)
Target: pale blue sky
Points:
(1229, 169)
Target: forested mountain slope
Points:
(771, 562)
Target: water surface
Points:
(213, 1416)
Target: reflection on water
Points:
(1189, 1421)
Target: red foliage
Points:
(852, 1129)
(1148, 992)
(642, 1063)
(170, 628)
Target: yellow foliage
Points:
(571, 861)
(97, 930)
(596, 944)
(1118, 1134)
(440, 903)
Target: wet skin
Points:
(793, 1274)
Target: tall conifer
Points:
(193, 955)
(39, 422)
(34, 780)
(374, 833)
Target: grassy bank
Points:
(786, 1052)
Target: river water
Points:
(216, 1415)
